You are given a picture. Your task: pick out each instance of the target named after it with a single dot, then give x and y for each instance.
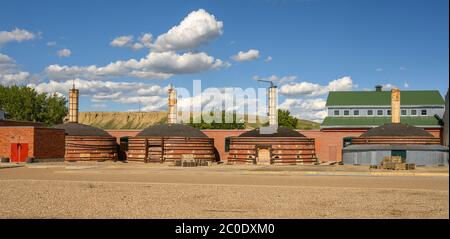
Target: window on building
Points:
(379, 112)
(336, 112)
(388, 112)
(413, 112)
(346, 112)
(356, 112)
(423, 112)
(404, 112)
(370, 112)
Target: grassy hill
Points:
(122, 120)
(141, 120)
(306, 124)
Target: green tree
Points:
(286, 119)
(25, 104)
(217, 125)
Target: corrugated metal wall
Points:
(425, 158)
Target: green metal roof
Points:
(429, 121)
(374, 98)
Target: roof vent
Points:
(378, 88)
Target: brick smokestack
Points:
(273, 105)
(395, 106)
(172, 118)
(73, 105)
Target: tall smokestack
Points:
(273, 110)
(73, 105)
(395, 106)
(172, 118)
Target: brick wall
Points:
(121, 133)
(219, 140)
(49, 143)
(328, 143)
(10, 135)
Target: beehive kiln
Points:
(272, 144)
(413, 144)
(286, 146)
(168, 143)
(84, 142)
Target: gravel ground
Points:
(141, 191)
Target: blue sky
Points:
(355, 43)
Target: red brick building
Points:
(43, 144)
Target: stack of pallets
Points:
(394, 163)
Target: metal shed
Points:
(373, 154)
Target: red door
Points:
(19, 153)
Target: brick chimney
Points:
(73, 105)
(395, 106)
(172, 118)
(273, 106)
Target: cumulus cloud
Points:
(310, 109)
(163, 61)
(10, 74)
(269, 58)
(157, 65)
(17, 35)
(144, 41)
(246, 56)
(64, 53)
(96, 87)
(313, 89)
(197, 28)
(102, 92)
(5, 59)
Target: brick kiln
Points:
(84, 142)
(272, 144)
(286, 146)
(413, 144)
(170, 142)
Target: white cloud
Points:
(17, 35)
(406, 85)
(144, 41)
(10, 74)
(150, 96)
(277, 80)
(157, 65)
(163, 61)
(268, 59)
(18, 78)
(64, 53)
(309, 109)
(99, 88)
(122, 41)
(313, 89)
(246, 56)
(197, 28)
(5, 59)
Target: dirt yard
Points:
(133, 190)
